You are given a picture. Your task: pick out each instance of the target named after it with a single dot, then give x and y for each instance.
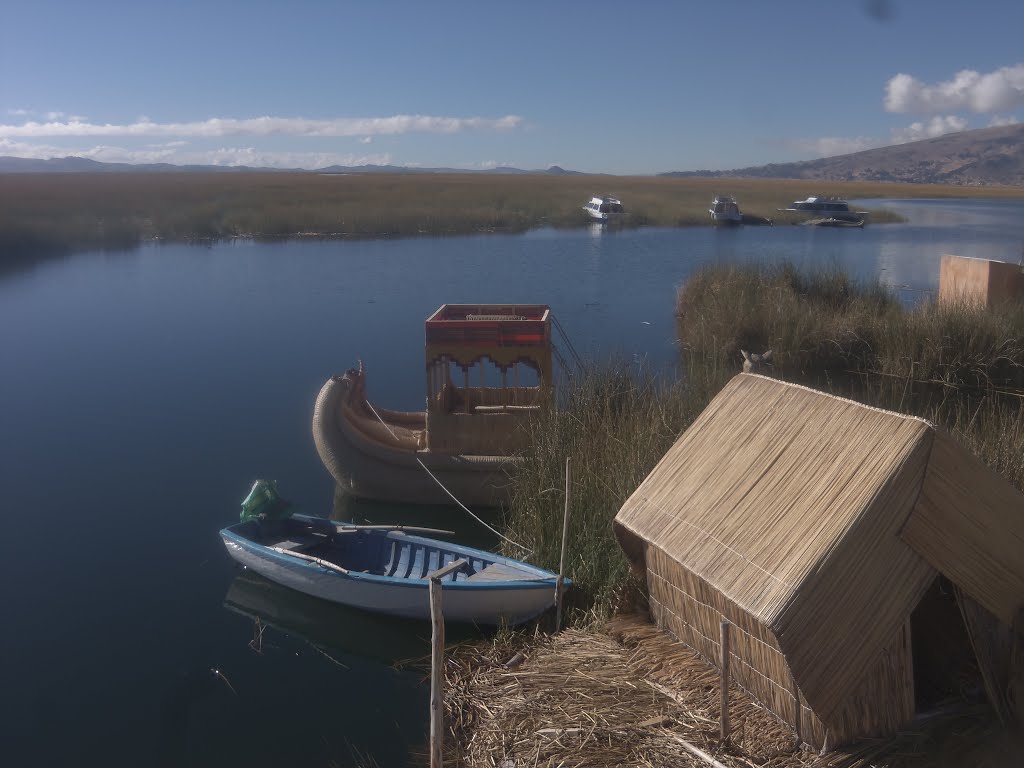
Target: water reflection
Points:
(342, 635)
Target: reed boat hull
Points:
(373, 460)
(470, 596)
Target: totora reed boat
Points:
(385, 570)
(468, 435)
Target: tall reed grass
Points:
(42, 213)
(958, 366)
(615, 423)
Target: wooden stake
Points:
(565, 544)
(796, 698)
(436, 674)
(724, 717)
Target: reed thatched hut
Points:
(824, 531)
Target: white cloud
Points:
(234, 156)
(937, 126)
(366, 140)
(53, 115)
(266, 126)
(829, 146)
(997, 121)
(1001, 90)
(19, 112)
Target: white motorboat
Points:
(604, 208)
(825, 206)
(725, 211)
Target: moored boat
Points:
(388, 571)
(826, 207)
(725, 211)
(468, 435)
(604, 209)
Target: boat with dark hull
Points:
(468, 436)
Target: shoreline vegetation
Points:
(61, 213)
(958, 366)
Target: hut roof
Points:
(791, 503)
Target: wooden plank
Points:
(440, 573)
(502, 572)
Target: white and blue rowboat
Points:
(387, 570)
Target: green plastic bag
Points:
(264, 503)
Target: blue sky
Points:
(625, 88)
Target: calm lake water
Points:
(143, 392)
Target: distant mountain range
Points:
(84, 165)
(981, 157)
(984, 156)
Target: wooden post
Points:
(796, 698)
(724, 716)
(565, 544)
(465, 390)
(436, 674)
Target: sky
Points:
(636, 87)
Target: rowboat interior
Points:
(381, 552)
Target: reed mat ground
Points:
(628, 695)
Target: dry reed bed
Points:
(61, 212)
(628, 694)
(585, 699)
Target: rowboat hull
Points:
(471, 596)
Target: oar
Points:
(344, 527)
(319, 561)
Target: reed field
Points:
(960, 367)
(65, 212)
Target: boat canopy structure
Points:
(507, 338)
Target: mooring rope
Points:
(451, 495)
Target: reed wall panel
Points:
(691, 610)
(969, 524)
(860, 595)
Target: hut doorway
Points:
(945, 665)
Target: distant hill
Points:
(977, 158)
(84, 165)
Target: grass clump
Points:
(615, 423)
(957, 366)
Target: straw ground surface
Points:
(629, 694)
